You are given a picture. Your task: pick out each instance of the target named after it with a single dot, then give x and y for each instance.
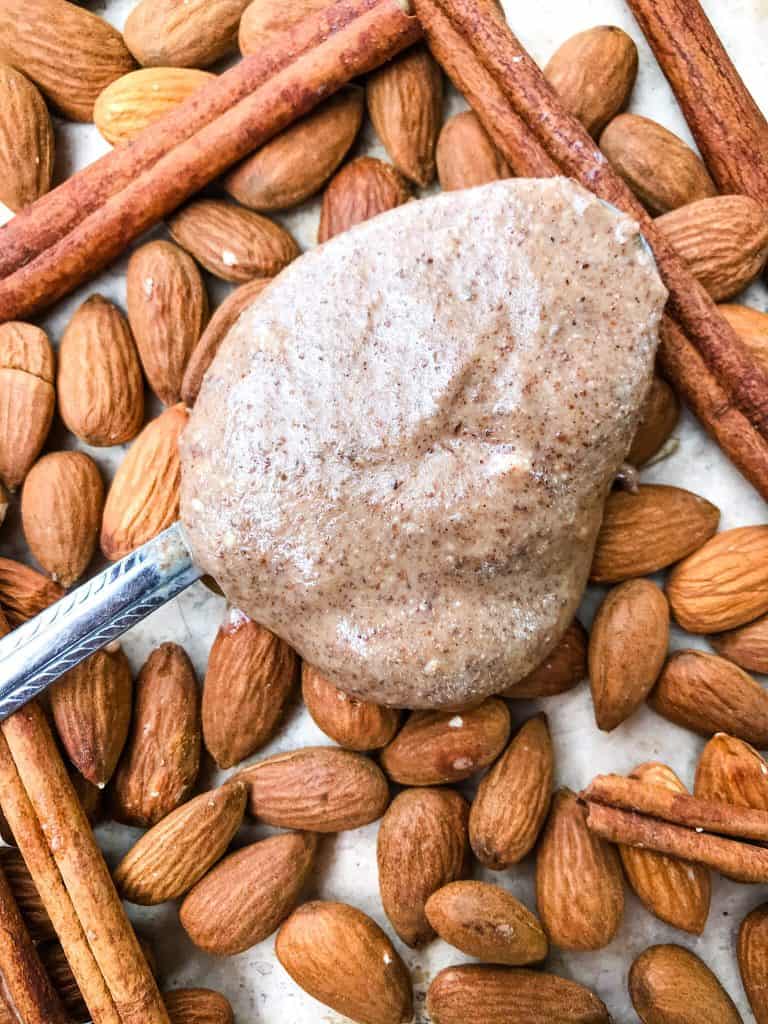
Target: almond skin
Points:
(162, 33)
(198, 1006)
(671, 985)
(649, 530)
(733, 772)
(352, 723)
(26, 894)
(563, 668)
(27, 398)
(422, 845)
(747, 646)
(579, 888)
(658, 418)
(264, 20)
(127, 106)
(26, 141)
(24, 592)
(465, 155)
(751, 325)
(343, 959)
(317, 789)
(249, 894)
(752, 953)
(160, 764)
(513, 799)
(438, 747)
(362, 189)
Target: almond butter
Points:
(26, 398)
(465, 155)
(752, 953)
(732, 772)
(198, 33)
(747, 646)
(264, 20)
(198, 1006)
(24, 592)
(26, 141)
(127, 106)
(671, 985)
(362, 189)
(658, 418)
(563, 668)
(751, 325)
(350, 722)
(27, 895)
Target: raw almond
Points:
(27, 895)
(437, 747)
(362, 189)
(671, 985)
(594, 73)
(61, 508)
(71, 54)
(751, 325)
(724, 241)
(708, 694)
(317, 789)
(162, 33)
(342, 958)
(24, 592)
(249, 894)
(231, 242)
(658, 418)
(144, 497)
(100, 386)
(465, 155)
(662, 171)
(752, 953)
(297, 163)
(91, 797)
(5, 500)
(91, 707)
(169, 859)
(198, 1006)
(127, 106)
(264, 20)
(724, 584)
(649, 530)
(674, 891)
(250, 677)
(732, 772)
(26, 398)
(167, 309)
(563, 668)
(579, 888)
(422, 845)
(350, 722)
(26, 141)
(747, 646)
(160, 763)
(633, 617)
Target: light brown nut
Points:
(127, 106)
(24, 592)
(732, 772)
(27, 895)
(198, 1006)
(747, 646)
(658, 418)
(26, 398)
(671, 985)
(465, 155)
(350, 722)
(264, 20)
(362, 189)
(563, 668)
(26, 141)
(751, 325)
(163, 33)
(752, 951)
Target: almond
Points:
(264, 20)
(24, 592)
(594, 73)
(169, 859)
(633, 617)
(437, 747)
(671, 985)
(674, 891)
(422, 845)
(71, 54)
(198, 1006)
(350, 722)
(724, 241)
(26, 141)
(127, 106)
(362, 189)
(61, 508)
(563, 668)
(579, 888)
(249, 894)
(5, 500)
(160, 763)
(487, 922)
(26, 398)
(100, 387)
(649, 530)
(466, 156)
(297, 163)
(513, 799)
(342, 958)
(751, 325)
(752, 952)
(167, 309)
(662, 171)
(724, 584)
(144, 497)
(732, 772)
(191, 35)
(91, 797)
(27, 895)
(747, 646)
(658, 418)
(707, 694)
(317, 789)
(231, 242)
(250, 678)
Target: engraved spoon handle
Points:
(87, 619)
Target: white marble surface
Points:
(259, 989)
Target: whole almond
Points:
(27, 895)
(91, 797)
(24, 592)
(161, 760)
(563, 668)
(662, 171)
(169, 859)
(100, 386)
(674, 891)
(317, 789)
(343, 959)
(752, 953)
(658, 418)
(633, 617)
(26, 141)
(751, 325)
(5, 501)
(512, 800)
(167, 309)
(465, 155)
(350, 722)
(724, 584)
(249, 894)
(724, 241)
(422, 845)
(649, 530)
(198, 1006)
(144, 497)
(594, 73)
(437, 747)
(579, 888)
(127, 106)
(671, 985)
(747, 645)
(264, 20)
(162, 33)
(26, 398)
(231, 242)
(297, 163)
(250, 677)
(732, 772)
(362, 189)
